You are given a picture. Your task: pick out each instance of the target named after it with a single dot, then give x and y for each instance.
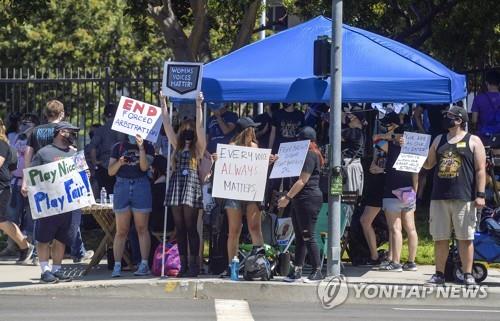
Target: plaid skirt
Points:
(185, 189)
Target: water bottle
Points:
(104, 196)
(235, 268)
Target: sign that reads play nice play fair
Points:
(59, 187)
(136, 117)
(182, 79)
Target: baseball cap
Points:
(245, 122)
(307, 133)
(458, 112)
(65, 125)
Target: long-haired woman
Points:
(306, 198)
(184, 194)
(245, 136)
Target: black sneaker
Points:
(48, 277)
(226, 274)
(469, 280)
(410, 266)
(61, 277)
(314, 277)
(25, 255)
(436, 280)
(294, 275)
(391, 267)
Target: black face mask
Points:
(70, 138)
(187, 134)
(448, 123)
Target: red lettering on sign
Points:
(152, 111)
(138, 107)
(127, 104)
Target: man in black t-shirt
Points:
(264, 129)
(435, 116)
(286, 123)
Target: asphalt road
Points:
(39, 308)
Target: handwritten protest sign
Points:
(136, 117)
(182, 79)
(59, 187)
(413, 153)
(291, 157)
(240, 173)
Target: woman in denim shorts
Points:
(236, 208)
(129, 162)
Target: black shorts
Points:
(56, 227)
(4, 201)
(374, 190)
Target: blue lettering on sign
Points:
(73, 190)
(42, 198)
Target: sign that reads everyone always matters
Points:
(59, 187)
(182, 79)
(240, 173)
(291, 157)
(136, 117)
(413, 153)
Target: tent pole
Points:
(262, 34)
(334, 199)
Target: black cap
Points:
(390, 118)
(245, 122)
(307, 133)
(65, 125)
(458, 112)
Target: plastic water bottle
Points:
(235, 268)
(104, 196)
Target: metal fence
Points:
(83, 91)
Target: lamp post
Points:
(335, 158)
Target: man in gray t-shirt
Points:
(100, 149)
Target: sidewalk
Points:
(24, 280)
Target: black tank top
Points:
(454, 175)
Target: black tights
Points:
(186, 221)
(304, 216)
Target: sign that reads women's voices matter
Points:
(59, 187)
(240, 173)
(182, 79)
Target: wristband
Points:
(480, 194)
(288, 197)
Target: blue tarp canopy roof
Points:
(375, 69)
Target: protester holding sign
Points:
(184, 191)
(399, 201)
(129, 162)
(55, 228)
(8, 160)
(458, 190)
(306, 198)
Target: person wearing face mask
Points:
(129, 163)
(458, 190)
(184, 194)
(57, 228)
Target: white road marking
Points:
(448, 310)
(232, 310)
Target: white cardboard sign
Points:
(291, 157)
(413, 153)
(136, 117)
(182, 79)
(240, 173)
(59, 187)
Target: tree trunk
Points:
(247, 25)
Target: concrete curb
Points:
(254, 291)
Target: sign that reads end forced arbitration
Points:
(182, 79)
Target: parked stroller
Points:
(486, 249)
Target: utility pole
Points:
(335, 157)
(262, 35)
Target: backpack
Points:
(172, 260)
(257, 266)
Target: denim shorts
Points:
(132, 194)
(237, 204)
(394, 205)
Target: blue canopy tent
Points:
(375, 69)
